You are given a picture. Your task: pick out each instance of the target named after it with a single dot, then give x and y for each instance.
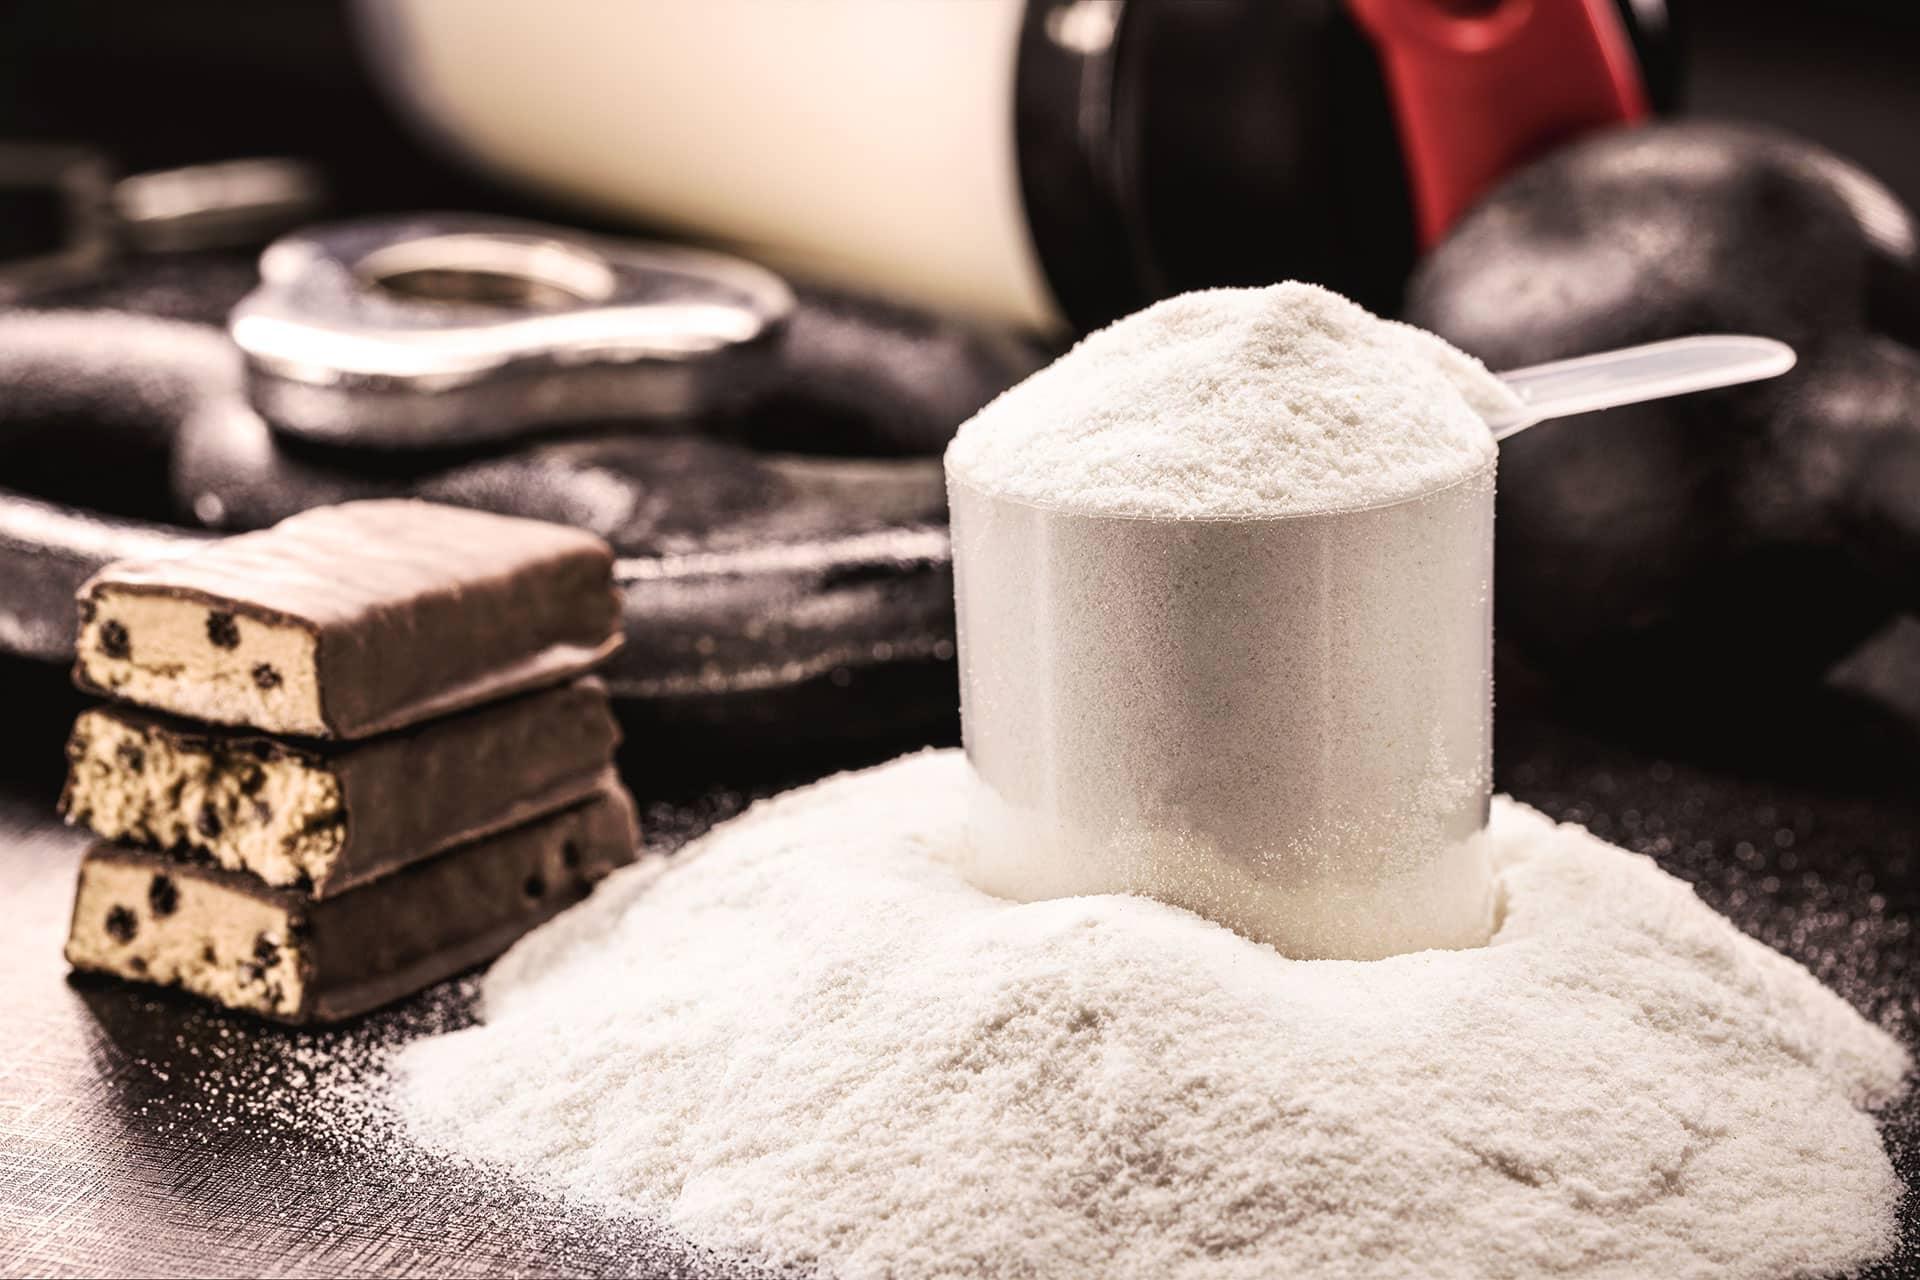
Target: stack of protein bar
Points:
(395, 763)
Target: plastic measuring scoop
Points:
(1631, 375)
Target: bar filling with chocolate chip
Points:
(344, 622)
(328, 817)
(286, 955)
(361, 755)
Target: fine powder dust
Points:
(808, 1041)
(1238, 403)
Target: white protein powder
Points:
(1242, 403)
(809, 1041)
(1223, 577)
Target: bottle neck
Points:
(1165, 145)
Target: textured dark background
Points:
(143, 1134)
(210, 79)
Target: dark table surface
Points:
(141, 1133)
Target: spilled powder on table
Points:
(807, 1041)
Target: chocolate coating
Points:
(415, 610)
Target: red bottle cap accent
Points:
(1480, 87)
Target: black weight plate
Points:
(751, 579)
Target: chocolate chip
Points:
(222, 631)
(114, 641)
(137, 964)
(207, 956)
(88, 610)
(122, 924)
(265, 676)
(262, 812)
(163, 896)
(535, 887)
(208, 823)
(252, 780)
(570, 854)
(323, 821)
(132, 757)
(266, 955)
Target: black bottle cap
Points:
(1167, 146)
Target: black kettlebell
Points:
(1702, 544)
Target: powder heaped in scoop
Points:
(1237, 403)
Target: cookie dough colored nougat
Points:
(347, 621)
(326, 818)
(281, 954)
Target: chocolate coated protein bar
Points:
(347, 621)
(283, 955)
(327, 817)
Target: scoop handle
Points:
(1630, 375)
